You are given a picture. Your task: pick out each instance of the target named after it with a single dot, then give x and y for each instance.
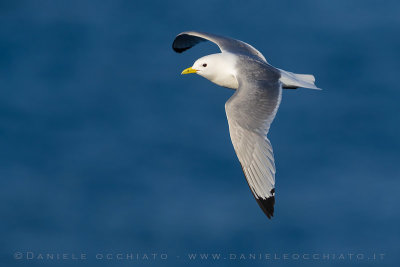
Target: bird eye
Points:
(204, 65)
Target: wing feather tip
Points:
(180, 50)
(267, 205)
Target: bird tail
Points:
(292, 80)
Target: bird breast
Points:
(228, 81)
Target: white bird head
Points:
(217, 68)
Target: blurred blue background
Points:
(105, 147)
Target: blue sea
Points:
(109, 157)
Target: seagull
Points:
(253, 106)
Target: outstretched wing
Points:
(186, 40)
(250, 112)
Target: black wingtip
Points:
(185, 41)
(178, 44)
(180, 50)
(267, 205)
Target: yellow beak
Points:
(189, 70)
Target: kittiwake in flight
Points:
(253, 106)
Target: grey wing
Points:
(250, 112)
(186, 40)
